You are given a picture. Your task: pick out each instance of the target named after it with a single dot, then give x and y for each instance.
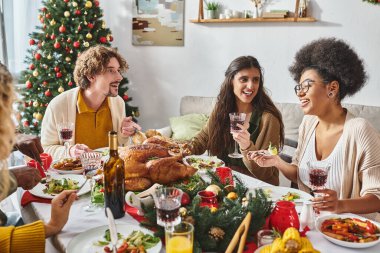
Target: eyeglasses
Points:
(304, 86)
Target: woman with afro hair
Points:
(328, 70)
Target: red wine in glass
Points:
(66, 134)
(168, 211)
(234, 123)
(317, 178)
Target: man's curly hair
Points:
(334, 60)
(94, 61)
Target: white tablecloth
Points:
(80, 221)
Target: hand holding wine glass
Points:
(66, 134)
(235, 119)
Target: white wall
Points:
(160, 76)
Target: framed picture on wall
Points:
(158, 22)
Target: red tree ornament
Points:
(26, 123)
(76, 44)
(77, 12)
(70, 83)
(48, 93)
(32, 42)
(44, 83)
(58, 75)
(53, 36)
(62, 29)
(90, 25)
(48, 16)
(57, 45)
(31, 66)
(103, 40)
(56, 69)
(69, 40)
(125, 97)
(96, 3)
(29, 84)
(37, 56)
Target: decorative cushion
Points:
(187, 126)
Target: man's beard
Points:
(110, 94)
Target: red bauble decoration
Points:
(44, 83)
(79, 28)
(31, 66)
(111, 38)
(70, 83)
(89, 25)
(53, 36)
(77, 12)
(29, 84)
(56, 68)
(39, 45)
(44, 9)
(48, 93)
(76, 44)
(26, 104)
(58, 75)
(69, 40)
(62, 29)
(103, 40)
(37, 56)
(42, 20)
(125, 97)
(48, 16)
(26, 123)
(185, 200)
(32, 42)
(57, 45)
(66, 1)
(35, 123)
(31, 103)
(96, 3)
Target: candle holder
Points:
(225, 175)
(208, 198)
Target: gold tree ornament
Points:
(216, 233)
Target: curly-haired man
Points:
(94, 107)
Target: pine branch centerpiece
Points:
(214, 226)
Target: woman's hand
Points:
(128, 127)
(326, 200)
(78, 149)
(60, 208)
(263, 159)
(242, 137)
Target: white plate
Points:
(276, 192)
(206, 159)
(84, 242)
(354, 245)
(64, 172)
(38, 189)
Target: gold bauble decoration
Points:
(86, 44)
(49, 57)
(34, 114)
(74, 4)
(39, 116)
(53, 22)
(35, 73)
(36, 104)
(66, 14)
(61, 89)
(88, 36)
(213, 209)
(182, 211)
(232, 196)
(68, 59)
(88, 4)
(104, 25)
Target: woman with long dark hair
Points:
(243, 91)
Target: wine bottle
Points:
(114, 188)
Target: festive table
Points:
(80, 221)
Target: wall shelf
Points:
(251, 20)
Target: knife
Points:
(112, 227)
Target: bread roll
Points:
(138, 137)
(152, 132)
(137, 184)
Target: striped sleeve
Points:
(28, 238)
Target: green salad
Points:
(56, 186)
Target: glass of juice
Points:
(179, 238)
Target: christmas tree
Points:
(67, 28)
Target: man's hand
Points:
(128, 127)
(78, 149)
(26, 177)
(29, 145)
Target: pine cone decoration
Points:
(216, 233)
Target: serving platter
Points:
(38, 190)
(85, 241)
(66, 171)
(355, 245)
(203, 162)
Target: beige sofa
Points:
(291, 113)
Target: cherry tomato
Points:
(107, 249)
(101, 190)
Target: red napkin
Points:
(27, 198)
(35, 164)
(132, 211)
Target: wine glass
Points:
(91, 162)
(236, 118)
(66, 134)
(318, 172)
(167, 201)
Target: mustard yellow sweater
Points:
(28, 238)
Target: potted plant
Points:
(211, 9)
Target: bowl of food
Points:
(350, 231)
(67, 166)
(202, 162)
